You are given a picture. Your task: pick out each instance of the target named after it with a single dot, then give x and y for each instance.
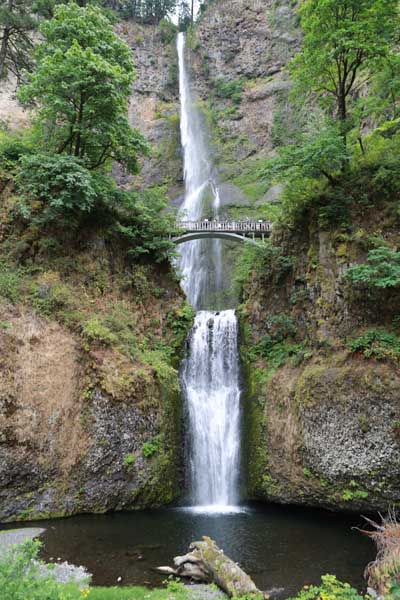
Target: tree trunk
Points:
(207, 563)
(342, 108)
(3, 53)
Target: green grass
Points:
(126, 593)
(135, 593)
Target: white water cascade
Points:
(211, 384)
(210, 372)
(200, 262)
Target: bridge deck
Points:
(257, 228)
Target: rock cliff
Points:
(322, 417)
(90, 345)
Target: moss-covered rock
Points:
(321, 423)
(89, 352)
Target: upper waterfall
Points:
(200, 262)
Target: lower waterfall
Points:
(211, 384)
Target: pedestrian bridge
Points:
(235, 231)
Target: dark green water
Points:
(280, 547)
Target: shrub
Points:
(95, 331)
(394, 592)
(53, 186)
(354, 493)
(152, 447)
(180, 320)
(10, 282)
(229, 89)
(141, 223)
(280, 327)
(377, 343)
(168, 31)
(12, 148)
(49, 295)
(384, 573)
(129, 460)
(381, 271)
(330, 589)
(22, 575)
(279, 353)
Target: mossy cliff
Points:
(90, 344)
(321, 361)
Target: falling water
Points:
(200, 262)
(211, 384)
(210, 373)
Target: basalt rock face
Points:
(67, 447)
(322, 421)
(250, 43)
(89, 389)
(154, 105)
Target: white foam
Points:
(214, 509)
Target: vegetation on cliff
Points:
(320, 301)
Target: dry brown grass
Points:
(385, 570)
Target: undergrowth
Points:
(378, 344)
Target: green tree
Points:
(314, 155)
(344, 41)
(81, 87)
(54, 186)
(16, 26)
(46, 8)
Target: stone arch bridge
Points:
(234, 231)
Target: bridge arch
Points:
(222, 235)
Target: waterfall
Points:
(200, 262)
(210, 371)
(211, 385)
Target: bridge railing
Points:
(234, 226)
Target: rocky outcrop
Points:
(89, 389)
(247, 43)
(154, 105)
(68, 444)
(321, 420)
(12, 115)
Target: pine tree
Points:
(17, 25)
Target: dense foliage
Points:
(344, 42)
(81, 87)
(376, 343)
(345, 105)
(54, 185)
(80, 90)
(330, 589)
(24, 577)
(382, 269)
